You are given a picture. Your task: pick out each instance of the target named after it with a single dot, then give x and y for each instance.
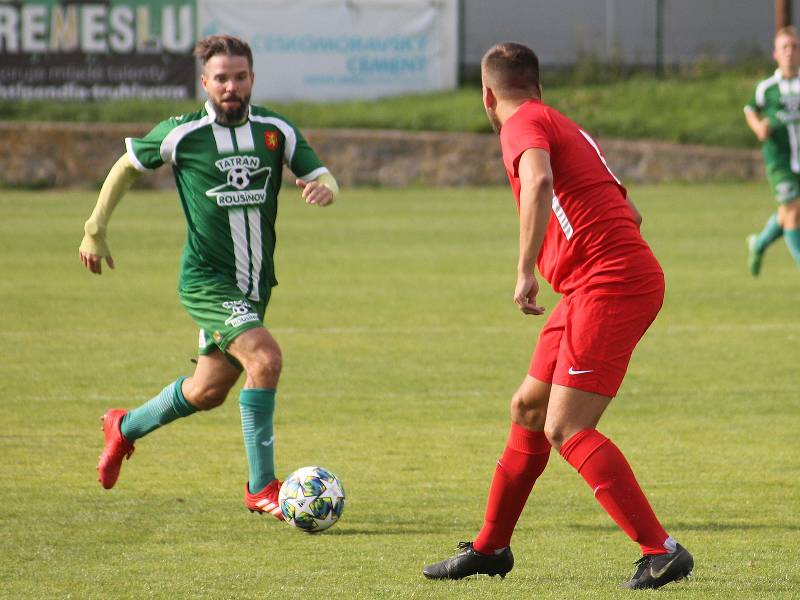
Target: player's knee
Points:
(265, 367)
(792, 220)
(789, 215)
(527, 411)
(556, 434)
(207, 397)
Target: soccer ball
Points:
(312, 499)
(239, 177)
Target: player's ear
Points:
(489, 99)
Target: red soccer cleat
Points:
(265, 501)
(116, 448)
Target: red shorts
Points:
(588, 340)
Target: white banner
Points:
(341, 49)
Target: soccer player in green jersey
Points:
(773, 114)
(227, 159)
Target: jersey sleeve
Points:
(304, 162)
(523, 134)
(752, 104)
(145, 152)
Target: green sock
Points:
(792, 239)
(257, 406)
(771, 232)
(164, 408)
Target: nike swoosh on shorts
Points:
(572, 371)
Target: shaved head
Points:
(511, 70)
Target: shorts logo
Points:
(245, 183)
(574, 371)
(241, 313)
(785, 190)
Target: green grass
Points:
(689, 109)
(401, 348)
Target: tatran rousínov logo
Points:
(241, 172)
(240, 313)
(791, 108)
(785, 190)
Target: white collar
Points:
(779, 76)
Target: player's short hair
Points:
(789, 30)
(511, 68)
(222, 44)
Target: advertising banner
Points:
(115, 49)
(341, 49)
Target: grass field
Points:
(401, 348)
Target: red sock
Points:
(607, 472)
(523, 460)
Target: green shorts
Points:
(785, 185)
(222, 312)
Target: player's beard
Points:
(493, 120)
(232, 116)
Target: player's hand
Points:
(94, 248)
(525, 294)
(314, 192)
(94, 262)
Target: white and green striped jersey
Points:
(778, 99)
(228, 179)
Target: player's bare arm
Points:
(94, 248)
(535, 199)
(759, 125)
(321, 191)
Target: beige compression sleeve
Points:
(329, 182)
(119, 181)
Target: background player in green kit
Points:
(227, 159)
(774, 116)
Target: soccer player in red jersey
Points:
(580, 229)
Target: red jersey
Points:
(593, 243)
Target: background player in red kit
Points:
(579, 228)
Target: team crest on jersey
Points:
(271, 140)
(243, 182)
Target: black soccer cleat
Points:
(655, 570)
(469, 561)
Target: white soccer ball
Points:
(239, 177)
(311, 499)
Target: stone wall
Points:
(80, 155)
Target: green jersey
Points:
(778, 99)
(228, 179)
